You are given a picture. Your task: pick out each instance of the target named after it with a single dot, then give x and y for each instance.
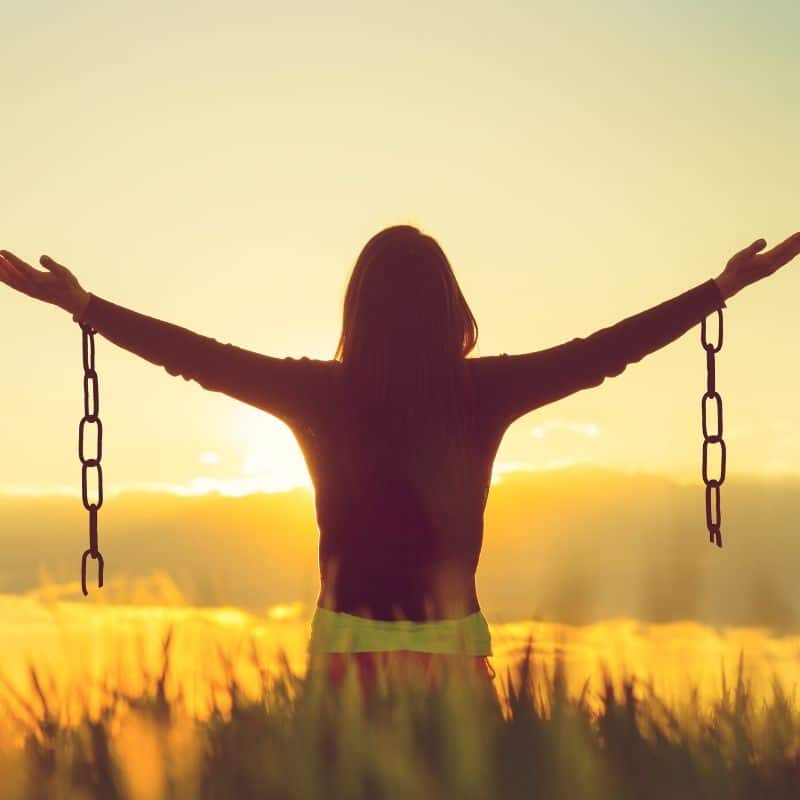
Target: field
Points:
(145, 702)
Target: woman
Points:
(399, 432)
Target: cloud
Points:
(587, 429)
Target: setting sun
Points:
(271, 459)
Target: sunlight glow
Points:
(233, 617)
(287, 611)
(272, 459)
(501, 468)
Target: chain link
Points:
(712, 484)
(91, 415)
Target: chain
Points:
(713, 484)
(91, 416)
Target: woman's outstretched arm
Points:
(284, 387)
(516, 384)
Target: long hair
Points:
(406, 332)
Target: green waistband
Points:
(339, 632)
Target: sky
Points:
(220, 166)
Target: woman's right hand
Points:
(57, 286)
(749, 266)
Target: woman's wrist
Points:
(77, 305)
(726, 287)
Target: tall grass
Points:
(286, 736)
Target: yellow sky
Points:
(221, 169)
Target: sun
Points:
(272, 460)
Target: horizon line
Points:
(243, 487)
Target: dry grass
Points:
(285, 736)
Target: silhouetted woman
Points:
(399, 432)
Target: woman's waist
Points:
(398, 591)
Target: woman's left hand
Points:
(57, 286)
(749, 265)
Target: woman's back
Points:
(400, 515)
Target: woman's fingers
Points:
(55, 284)
(750, 265)
(6, 272)
(784, 252)
(746, 255)
(53, 266)
(23, 266)
(758, 244)
(13, 275)
(59, 270)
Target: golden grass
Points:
(255, 727)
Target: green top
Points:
(339, 632)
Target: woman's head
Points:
(406, 332)
(403, 300)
